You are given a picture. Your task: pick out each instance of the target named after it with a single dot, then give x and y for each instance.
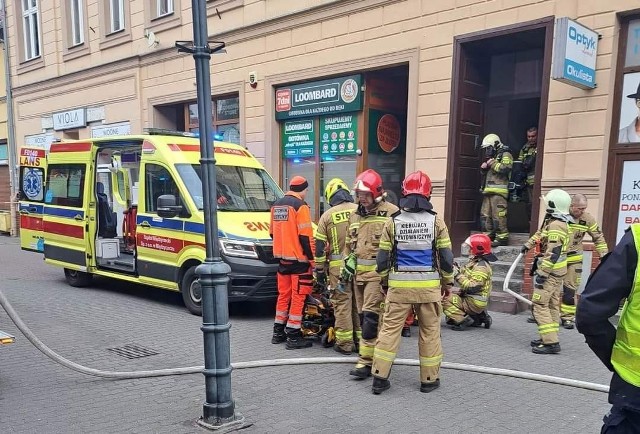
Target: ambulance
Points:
(131, 208)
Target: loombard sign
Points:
(574, 54)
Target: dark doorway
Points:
(500, 85)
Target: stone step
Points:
(515, 284)
(505, 303)
(500, 268)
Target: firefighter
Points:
(527, 158)
(361, 248)
(617, 278)
(292, 233)
(474, 279)
(330, 238)
(550, 270)
(496, 172)
(583, 223)
(415, 251)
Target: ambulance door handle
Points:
(145, 224)
(78, 218)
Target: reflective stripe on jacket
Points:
(332, 232)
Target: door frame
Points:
(458, 46)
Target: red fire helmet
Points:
(417, 183)
(369, 181)
(480, 244)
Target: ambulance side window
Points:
(158, 181)
(65, 185)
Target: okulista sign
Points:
(574, 54)
(336, 95)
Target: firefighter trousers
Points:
(456, 307)
(292, 292)
(372, 308)
(546, 308)
(569, 287)
(429, 343)
(493, 216)
(345, 310)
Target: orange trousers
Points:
(292, 292)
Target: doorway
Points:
(500, 85)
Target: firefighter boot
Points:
(463, 325)
(380, 385)
(429, 387)
(531, 319)
(568, 324)
(278, 334)
(536, 342)
(546, 348)
(487, 321)
(295, 341)
(361, 371)
(406, 332)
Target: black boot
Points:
(531, 320)
(406, 332)
(536, 342)
(429, 387)
(361, 371)
(463, 325)
(478, 319)
(279, 335)
(546, 349)
(568, 324)
(380, 385)
(487, 321)
(296, 341)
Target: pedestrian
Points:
(330, 240)
(616, 279)
(495, 189)
(527, 158)
(361, 247)
(584, 223)
(415, 252)
(292, 233)
(550, 270)
(474, 279)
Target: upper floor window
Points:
(31, 31)
(76, 11)
(163, 7)
(116, 14)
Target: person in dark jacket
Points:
(617, 278)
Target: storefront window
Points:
(340, 166)
(632, 57)
(225, 117)
(306, 167)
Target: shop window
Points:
(4, 154)
(31, 29)
(225, 117)
(306, 167)
(338, 166)
(65, 185)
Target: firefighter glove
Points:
(349, 268)
(539, 280)
(321, 276)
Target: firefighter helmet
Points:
(333, 187)
(557, 201)
(491, 140)
(417, 183)
(371, 182)
(480, 244)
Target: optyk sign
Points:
(574, 54)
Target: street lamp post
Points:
(218, 411)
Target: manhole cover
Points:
(133, 351)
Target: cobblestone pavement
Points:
(81, 324)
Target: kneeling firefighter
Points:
(415, 251)
(330, 238)
(361, 248)
(474, 279)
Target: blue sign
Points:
(574, 54)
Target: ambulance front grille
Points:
(268, 287)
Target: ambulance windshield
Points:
(240, 189)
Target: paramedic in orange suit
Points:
(292, 235)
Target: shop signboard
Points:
(575, 50)
(298, 139)
(629, 211)
(323, 97)
(339, 134)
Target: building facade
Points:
(328, 88)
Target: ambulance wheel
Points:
(77, 278)
(191, 292)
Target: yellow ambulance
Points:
(100, 213)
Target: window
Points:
(65, 185)
(4, 154)
(116, 14)
(158, 181)
(76, 12)
(30, 29)
(163, 7)
(225, 116)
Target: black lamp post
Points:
(219, 409)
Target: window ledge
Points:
(222, 5)
(114, 39)
(165, 22)
(75, 52)
(30, 65)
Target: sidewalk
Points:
(81, 324)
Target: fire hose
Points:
(505, 285)
(24, 329)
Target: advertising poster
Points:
(298, 139)
(339, 134)
(629, 211)
(629, 109)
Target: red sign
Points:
(388, 133)
(283, 100)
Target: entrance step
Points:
(505, 303)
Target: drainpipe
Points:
(11, 142)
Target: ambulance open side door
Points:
(33, 167)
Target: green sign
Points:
(324, 97)
(298, 139)
(339, 134)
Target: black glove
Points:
(539, 280)
(321, 277)
(524, 250)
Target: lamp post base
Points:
(219, 425)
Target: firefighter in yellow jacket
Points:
(415, 251)
(361, 247)
(330, 239)
(584, 223)
(550, 270)
(496, 171)
(474, 279)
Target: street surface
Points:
(82, 324)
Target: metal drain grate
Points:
(133, 351)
